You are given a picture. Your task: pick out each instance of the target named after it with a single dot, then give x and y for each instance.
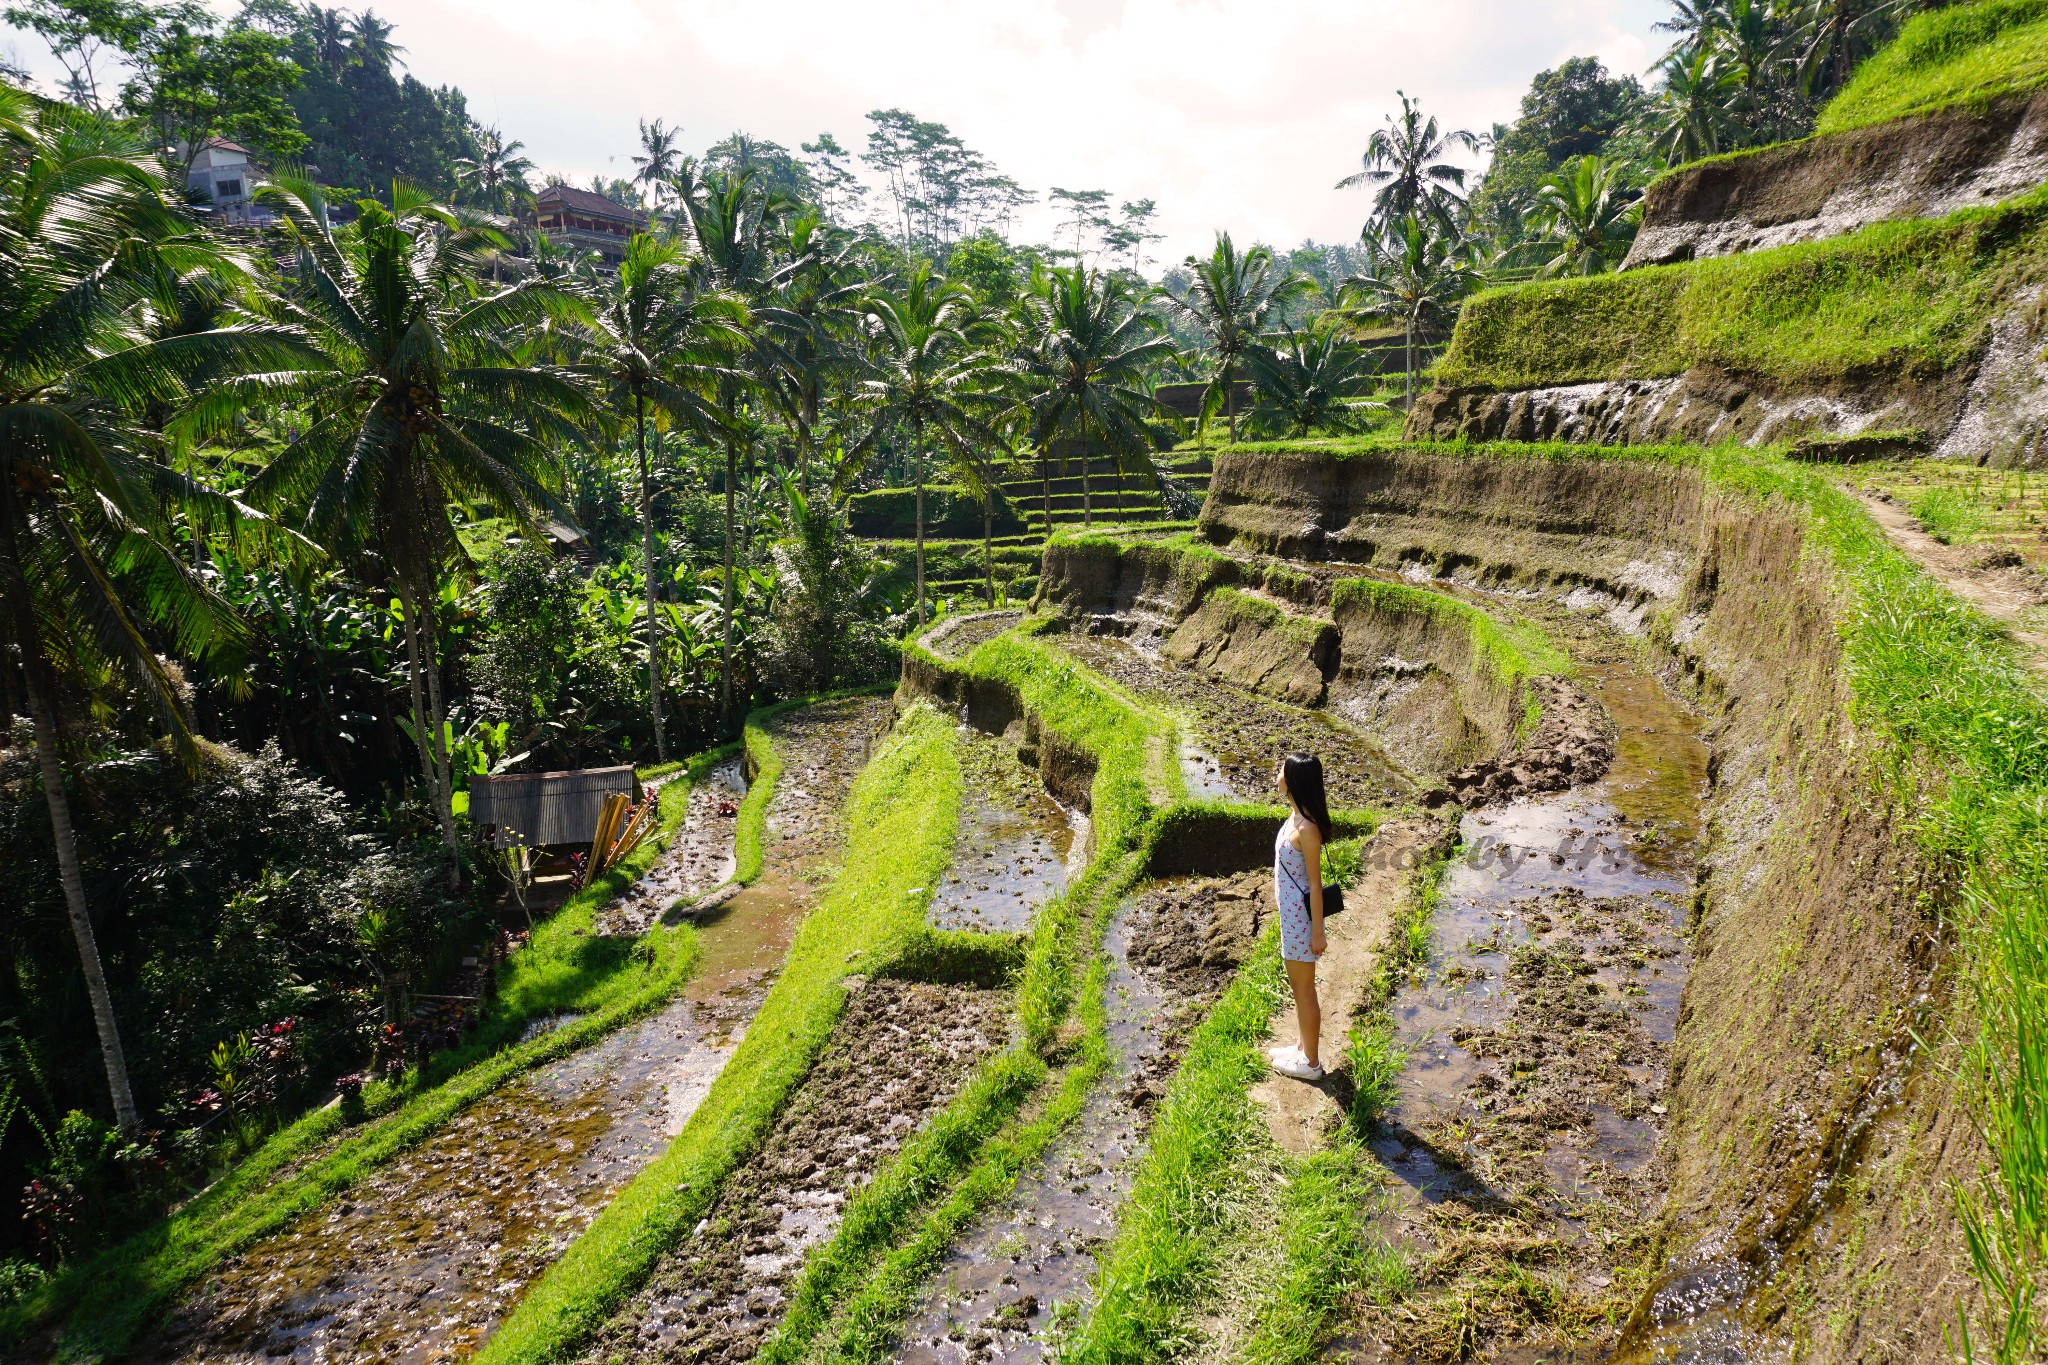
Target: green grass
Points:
(109, 1298)
(901, 816)
(1172, 1227)
(1904, 299)
(1329, 1250)
(1950, 515)
(1964, 55)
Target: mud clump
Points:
(896, 1056)
(1572, 744)
(1196, 934)
(959, 637)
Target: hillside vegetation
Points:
(1901, 298)
(1968, 54)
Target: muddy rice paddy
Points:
(1522, 1149)
(421, 1259)
(1239, 738)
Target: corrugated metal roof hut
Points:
(546, 810)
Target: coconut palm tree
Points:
(1404, 162)
(1311, 379)
(328, 30)
(662, 344)
(1230, 298)
(1582, 212)
(93, 246)
(1086, 359)
(372, 42)
(929, 373)
(658, 157)
(810, 338)
(1416, 274)
(1688, 119)
(734, 221)
(495, 178)
(421, 401)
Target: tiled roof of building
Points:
(585, 202)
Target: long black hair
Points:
(1304, 777)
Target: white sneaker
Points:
(1291, 1061)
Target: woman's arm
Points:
(1312, 858)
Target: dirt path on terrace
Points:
(421, 1259)
(1303, 1116)
(1996, 582)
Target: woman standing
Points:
(1298, 886)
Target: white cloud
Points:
(1239, 114)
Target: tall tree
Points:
(928, 374)
(664, 343)
(1416, 275)
(1230, 297)
(734, 220)
(658, 157)
(421, 401)
(371, 40)
(89, 38)
(495, 177)
(194, 81)
(1404, 163)
(92, 242)
(1087, 360)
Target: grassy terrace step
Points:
(1967, 54)
(102, 1303)
(1910, 299)
(901, 816)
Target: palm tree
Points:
(1840, 33)
(734, 222)
(495, 178)
(930, 375)
(93, 243)
(1230, 298)
(328, 30)
(1416, 273)
(421, 402)
(809, 340)
(1087, 357)
(372, 42)
(1581, 211)
(658, 157)
(1310, 379)
(1688, 119)
(1405, 162)
(663, 341)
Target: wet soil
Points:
(1008, 1284)
(898, 1054)
(1243, 737)
(421, 1259)
(1571, 745)
(1522, 1147)
(696, 860)
(1014, 847)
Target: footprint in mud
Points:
(897, 1056)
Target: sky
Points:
(1235, 114)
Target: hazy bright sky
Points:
(1240, 114)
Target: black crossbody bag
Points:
(1333, 896)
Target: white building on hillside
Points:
(226, 172)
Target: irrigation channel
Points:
(418, 1262)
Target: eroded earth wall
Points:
(1811, 1143)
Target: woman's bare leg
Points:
(1308, 1011)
